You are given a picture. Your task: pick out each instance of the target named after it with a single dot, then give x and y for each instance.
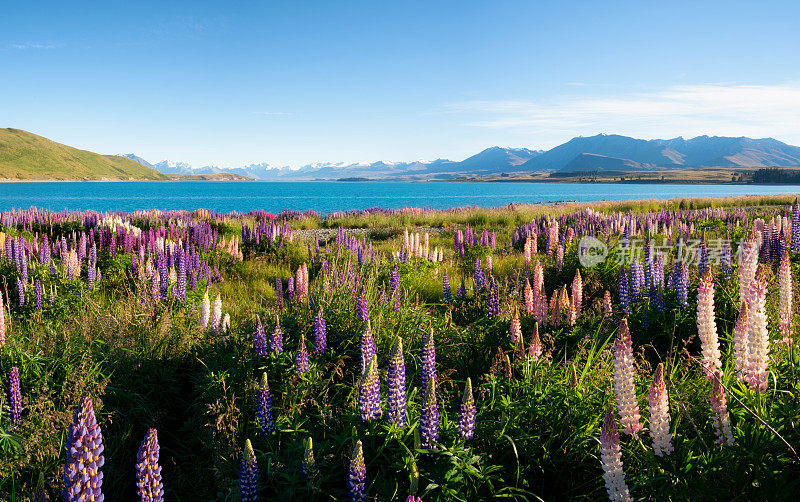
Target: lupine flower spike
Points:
(658, 405)
(611, 460)
(429, 416)
(320, 332)
(357, 476)
(309, 464)
(301, 357)
(14, 397)
(396, 392)
(276, 340)
(755, 371)
(707, 325)
(624, 388)
(369, 392)
(428, 360)
(367, 346)
(785, 298)
(515, 329)
(248, 474)
(148, 473)
(83, 479)
(466, 415)
(535, 345)
(264, 399)
(740, 341)
(719, 407)
(260, 339)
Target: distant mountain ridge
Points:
(602, 152)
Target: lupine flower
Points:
(528, 295)
(37, 294)
(757, 337)
(363, 307)
(248, 474)
(795, 227)
(747, 267)
(264, 398)
(148, 473)
(608, 310)
(216, 314)
(279, 292)
(309, 467)
(369, 392)
(357, 476)
(2, 321)
(396, 383)
(466, 414)
(367, 346)
(320, 332)
(658, 405)
(492, 300)
(611, 460)
(707, 325)
(21, 291)
(429, 416)
(624, 300)
(785, 300)
(14, 397)
(740, 341)
(535, 345)
(412, 498)
(83, 479)
(428, 359)
(260, 339)
(577, 292)
(720, 418)
(276, 340)
(624, 388)
(479, 278)
(461, 291)
(447, 294)
(515, 331)
(301, 356)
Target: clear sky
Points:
(295, 82)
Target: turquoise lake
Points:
(326, 197)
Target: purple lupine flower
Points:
(429, 416)
(264, 398)
(637, 280)
(357, 476)
(367, 346)
(320, 332)
(180, 286)
(248, 474)
(680, 278)
(396, 383)
(795, 227)
(369, 392)
(394, 279)
(301, 356)
(83, 479)
(446, 292)
(428, 360)
(14, 397)
(37, 294)
(290, 288)
(21, 290)
(363, 307)
(466, 414)
(492, 300)
(279, 292)
(276, 340)
(624, 300)
(260, 339)
(479, 279)
(461, 291)
(148, 473)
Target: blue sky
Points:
(291, 83)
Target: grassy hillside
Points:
(26, 156)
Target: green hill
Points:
(26, 156)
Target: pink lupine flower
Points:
(541, 307)
(555, 313)
(658, 405)
(528, 294)
(515, 330)
(755, 371)
(611, 460)
(577, 292)
(608, 310)
(535, 346)
(707, 325)
(747, 267)
(720, 418)
(740, 341)
(624, 388)
(538, 281)
(785, 300)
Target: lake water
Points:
(326, 197)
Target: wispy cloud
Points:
(715, 109)
(31, 45)
(272, 113)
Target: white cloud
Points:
(31, 45)
(684, 110)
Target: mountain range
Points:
(603, 152)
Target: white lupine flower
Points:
(624, 388)
(205, 311)
(611, 460)
(785, 298)
(707, 325)
(216, 314)
(721, 419)
(658, 405)
(755, 371)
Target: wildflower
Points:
(624, 301)
(2, 321)
(279, 292)
(301, 357)
(466, 414)
(720, 418)
(260, 339)
(37, 294)
(276, 340)
(740, 341)
(611, 460)
(428, 359)
(447, 294)
(795, 227)
(607, 308)
(21, 291)
(707, 326)
(577, 292)
(367, 346)
(357, 476)
(363, 307)
(14, 397)
(573, 377)
(757, 337)
(264, 399)
(624, 389)
(429, 416)
(148, 473)
(396, 383)
(309, 464)
(216, 315)
(658, 405)
(248, 474)
(461, 291)
(515, 330)
(528, 294)
(369, 392)
(785, 298)
(747, 267)
(478, 278)
(320, 332)
(535, 345)
(83, 479)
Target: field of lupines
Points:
(466, 354)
